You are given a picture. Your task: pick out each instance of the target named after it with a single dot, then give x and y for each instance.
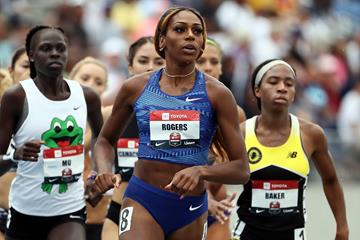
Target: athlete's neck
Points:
(54, 89)
(274, 121)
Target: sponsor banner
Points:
(175, 115)
(177, 143)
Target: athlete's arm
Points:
(104, 147)
(104, 151)
(241, 114)
(332, 188)
(94, 116)
(237, 170)
(10, 110)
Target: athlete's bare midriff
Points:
(159, 174)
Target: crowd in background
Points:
(320, 38)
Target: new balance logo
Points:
(292, 155)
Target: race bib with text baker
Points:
(174, 128)
(274, 197)
(63, 165)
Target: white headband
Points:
(267, 67)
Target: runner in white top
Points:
(46, 115)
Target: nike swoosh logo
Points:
(159, 144)
(126, 169)
(192, 99)
(73, 216)
(259, 211)
(52, 180)
(76, 108)
(191, 208)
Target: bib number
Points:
(127, 151)
(125, 219)
(174, 128)
(299, 234)
(63, 165)
(274, 197)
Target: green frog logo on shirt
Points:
(61, 134)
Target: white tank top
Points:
(62, 125)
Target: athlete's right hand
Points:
(29, 151)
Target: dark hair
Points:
(253, 78)
(134, 47)
(163, 23)
(218, 148)
(29, 37)
(17, 54)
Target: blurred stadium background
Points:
(320, 38)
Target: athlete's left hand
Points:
(98, 184)
(106, 181)
(221, 209)
(184, 181)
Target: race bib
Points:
(274, 197)
(174, 128)
(127, 151)
(63, 165)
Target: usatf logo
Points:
(254, 155)
(292, 155)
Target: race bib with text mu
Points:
(63, 165)
(274, 197)
(174, 128)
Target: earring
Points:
(161, 49)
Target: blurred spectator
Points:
(97, 19)
(327, 74)
(69, 16)
(5, 81)
(20, 66)
(113, 52)
(349, 120)
(353, 54)
(5, 43)
(127, 15)
(349, 131)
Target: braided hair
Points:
(29, 37)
